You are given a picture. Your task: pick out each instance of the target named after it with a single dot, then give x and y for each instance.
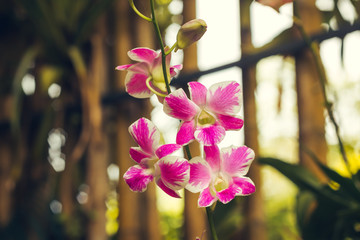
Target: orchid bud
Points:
(190, 32)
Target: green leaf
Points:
(346, 184)
(304, 207)
(305, 180)
(296, 173)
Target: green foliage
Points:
(228, 218)
(281, 219)
(63, 23)
(171, 226)
(324, 211)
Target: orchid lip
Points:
(220, 183)
(150, 164)
(148, 80)
(205, 118)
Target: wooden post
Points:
(97, 161)
(195, 217)
(309, 96)
(255, 227)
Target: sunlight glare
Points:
(28, 84)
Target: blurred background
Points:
(64, 118)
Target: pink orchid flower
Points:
(171, 173)
(221, 175)
(147, 75)
(208, 114)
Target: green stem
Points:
(210, 217)
(323, 79)
(163, 54)
(170, 50)
(131, 2)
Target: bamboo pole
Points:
(255, 227)
(309, 96)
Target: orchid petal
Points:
(200, 175)
(138, 155)
(228, 194)
(209, 135)
(172, 69)
(166, 149)
(145, 134)
(123, 67)
(138, 178)
(206, 199)
(142, 55)
(135, 84)
(141, 68)
(212, 156)
(177, 105)
(198, 93)
(237, 160)
(246, 185)
(225, 98)
(167, 190)
(230, 122)
(174, 171)
(186, 132)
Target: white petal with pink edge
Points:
(173, 171)
(210, 135)
(141, 67)
(135, 84)
(200, 175)
(168, 191)
(138, 178)
(142, 54)
(230, 122)
(172, 69)
(225, 98)
(167, 149)
(237, 160)
(138, 155)
(146, 135)
(186, 132)
(123, 67)
(206, 199)
(213, 157)
(198, 93)
(228, 194)
(246, 185)
(178, 105)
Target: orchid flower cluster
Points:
(205, 117)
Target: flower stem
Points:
(170, 50)
(209, 212)
(131, 2)
(210, 216)
(323, 79)
(163, 54)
